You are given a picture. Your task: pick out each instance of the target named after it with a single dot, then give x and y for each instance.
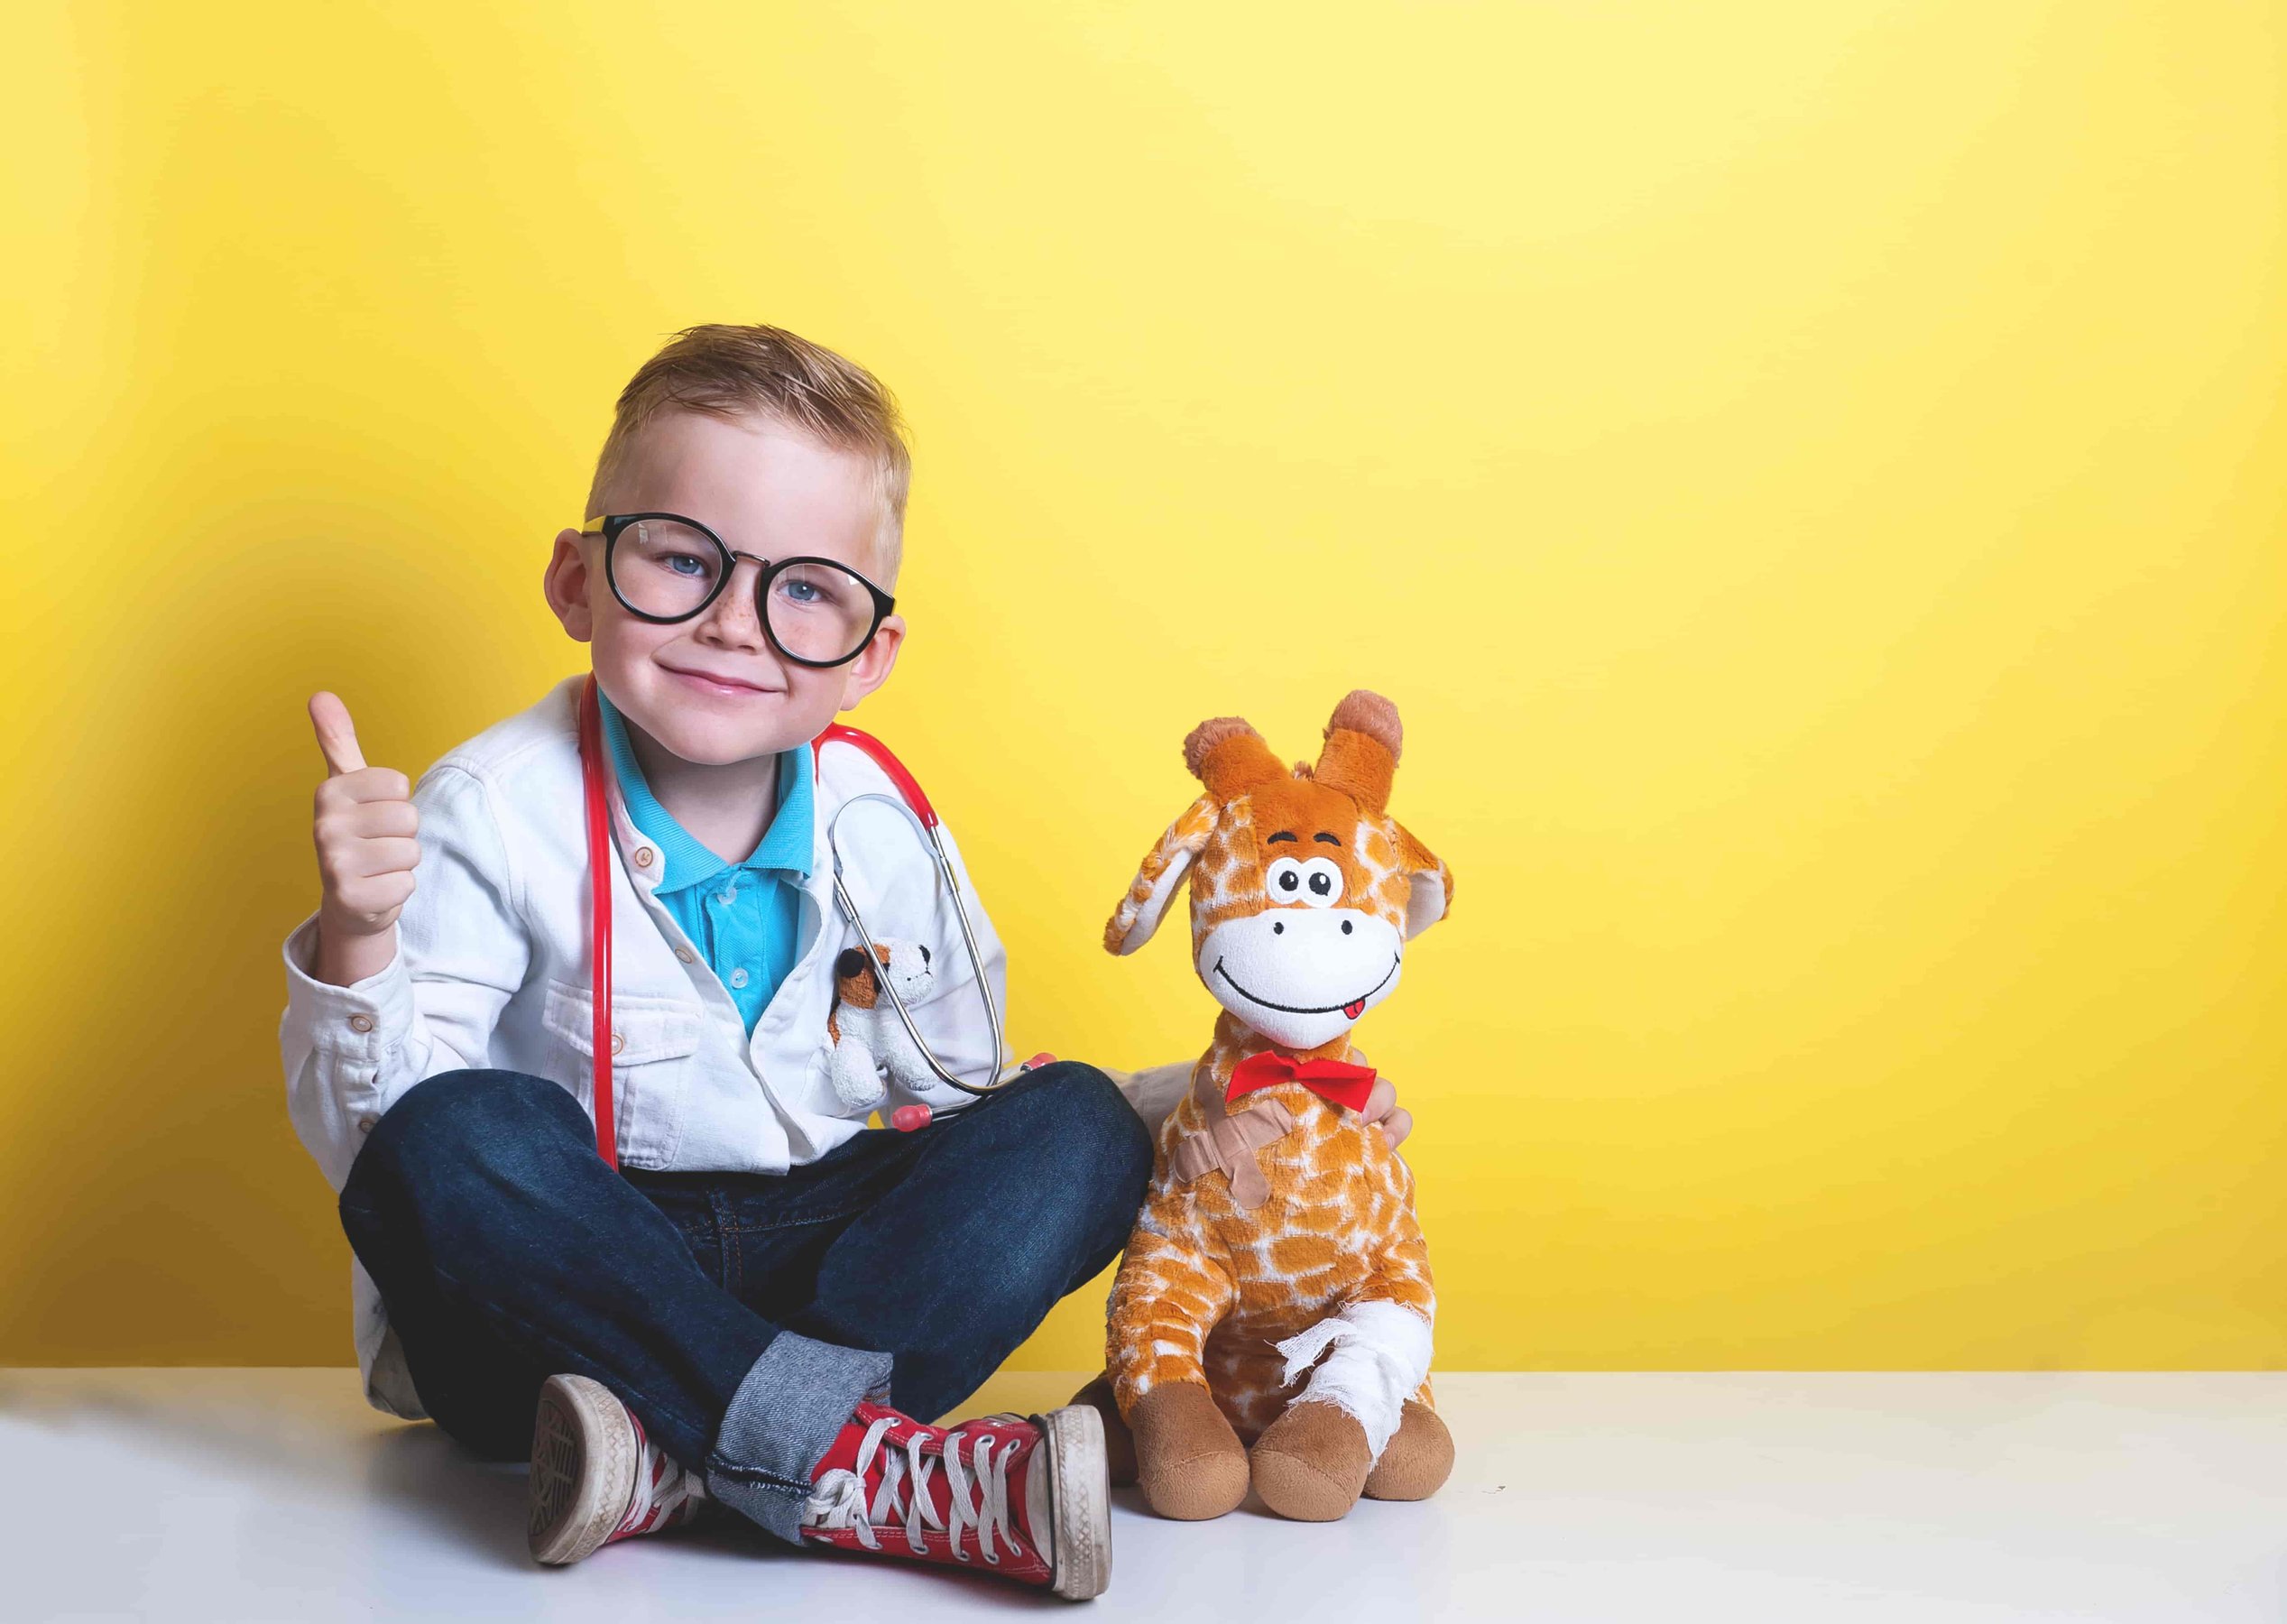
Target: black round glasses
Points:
(664, 567)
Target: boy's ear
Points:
(1430, 896)
(564, 582)
(872, 666)
(1160, 877)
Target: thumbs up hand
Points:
(364, 824)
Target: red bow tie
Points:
(1337, 1082)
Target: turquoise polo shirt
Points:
(744, 915)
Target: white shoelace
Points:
(837, 1501)
(663, 1490)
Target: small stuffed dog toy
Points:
(1270, 1325)
(864, 1037)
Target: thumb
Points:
(336, 735)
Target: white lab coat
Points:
(492, 970)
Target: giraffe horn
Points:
(1230, 757)
(1359, 757)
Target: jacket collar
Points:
(641, 827)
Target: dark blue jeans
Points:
(740, 1316)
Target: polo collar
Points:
(786, 846)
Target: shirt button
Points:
(361, 1023)
(619, 1041)
(365, 1124)
(686, 955)
(738, 978)
(643, 855)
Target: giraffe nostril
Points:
(1277, 928)
(1346, 927)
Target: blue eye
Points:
(675, 561)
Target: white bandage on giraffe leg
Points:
(1380, 1356)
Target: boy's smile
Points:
(712, 692)
(728, 687)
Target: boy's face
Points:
(766, 489)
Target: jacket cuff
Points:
(355, 1025)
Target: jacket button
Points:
(365, 1124)
(619, 1041)
(686, 955)
(361, 1023)
(643, 855)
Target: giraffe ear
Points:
(1160, 877)
(1430, 894)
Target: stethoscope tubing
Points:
(910, 802)
(934, 839)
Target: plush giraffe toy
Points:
(1271, 1323)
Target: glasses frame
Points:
(610, 526)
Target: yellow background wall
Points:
(1811, 475)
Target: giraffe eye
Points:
(1318, 883)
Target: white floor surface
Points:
(275, 1494)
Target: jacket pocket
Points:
(652, 1042)
(643, 1029)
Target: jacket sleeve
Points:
(462, 952)
(950, 1014)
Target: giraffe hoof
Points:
(1190, 1465)
(1119, 1444)
(1310, 1466)
(1417, 1459)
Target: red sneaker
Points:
(1026, 1498)
(596, 1477)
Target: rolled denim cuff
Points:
(784, 1418)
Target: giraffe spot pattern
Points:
(1208, 1289)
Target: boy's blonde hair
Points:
(727, 372)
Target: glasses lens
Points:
(819, 612)
(659, 567)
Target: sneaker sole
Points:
(1079, 1489)
(583, 1469)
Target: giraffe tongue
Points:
(1354, 1008)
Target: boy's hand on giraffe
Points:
(365, 824)
(1383, 1108)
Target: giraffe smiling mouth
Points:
(1353, 1009)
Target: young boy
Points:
(758, 1303)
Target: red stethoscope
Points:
(909, 800)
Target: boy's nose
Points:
(736, 614)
